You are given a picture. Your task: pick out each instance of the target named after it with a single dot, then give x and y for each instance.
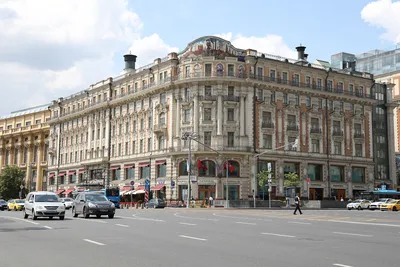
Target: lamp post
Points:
(295, 144)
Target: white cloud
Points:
(269, 44)
(384, 14)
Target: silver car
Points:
(43, 204)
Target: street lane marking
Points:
(300, 223)
(90, 220)
(19, 219)
(122, 225)
(246, 223)
(289, 236)
(341, 233)
(94, 242)
(194, 218)
(194, 238)
(144, 219)
(48, 227)
(242, 218)
(192, 224)
(365, 223)
(371, 220)
(341, 265)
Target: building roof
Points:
(26, 111)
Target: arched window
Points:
(183, 168)
(233, 168)
(161, 119)
(206, 168)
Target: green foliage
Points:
(292, 179)
(262, 177)
(11, 179)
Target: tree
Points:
(11, 179)
(292, 179)
(262, 177)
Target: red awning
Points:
(81, 171)
(114, 167)
(51, 175)
(129, 166)
(139, 188)
(59, 191)
(68, 192)
(126, 187)
(61, 174)
(143, 164)
(157, 187)
(71, 172)
(160, 162)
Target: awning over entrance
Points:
(161, 162)
(114, 167)
(61, 174)
(59, 191)
(140, 188)
(51, 175)
(157, 187)
(71, 172)
(127, 166)
(139, 192)
(68, 192)
(81, 171)
(143, 164)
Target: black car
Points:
(92, 203)
(3, 204)
(155, 203)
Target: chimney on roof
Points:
(130, 61)
(300, 52)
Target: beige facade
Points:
(24, 143)
(239, 102)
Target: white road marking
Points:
(300, 222)
(341, 265)
(192, 224)
(94, 242)
(19, 219)
(191, 237)
(48, 227)
(194, 218)
(122, 225)
(365, 223)
(242, 218)
(144, 219)
(246, 223)
(90, 220)
(290, 236)
(341, 233)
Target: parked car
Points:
(67, 202)
(376, 205)
(155, 203)
(43, 204)
(3, 204)
(393, 205)
(92, 203)
(16, 204)
(359, 204)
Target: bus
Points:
(377, 194)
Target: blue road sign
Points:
(132, 182)
(147, 184)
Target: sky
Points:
(50, 49)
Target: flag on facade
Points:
(200, 165)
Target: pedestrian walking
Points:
(211, 201)
(297, 202)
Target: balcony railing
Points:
(292, 128)
(337, 133)
(231, 98)
(315, 130)
(358, 135)
(267, 124)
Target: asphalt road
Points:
(204, 237)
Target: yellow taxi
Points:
(393, 205)
(16, 204)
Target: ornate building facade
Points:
(24, 143)
(126, 129)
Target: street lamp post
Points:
(295, 144)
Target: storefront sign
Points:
(338, 186)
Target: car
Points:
(16, 204)
(155, 203)
(92, 203)
(9, 204)
(43, 204)
(376, 205)
(3, 204)
(359, 204)
(393, 205)
(67, 202)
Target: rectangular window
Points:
(267, 141)
(141, 124)
(267, 117)
(207, 91)
(163, 98)
(231, 90)
(285, 98)
(284, 77)
(296, 81)
(141, 146)
(112, 150)
(272, 75)
(187, 115)
(126, 148)
(144, 172)
(357, 175)
(314, 124)
(161, 170)
(340, 87)
(207, 114)
(208, 69)
(149, 146)
(329, 85)
(337, 146)
(291, 142)
(187, 94)
(207, 138)
(351, 88)
(315, 145)
(231, 114)
(231, 139)
(161, 142)
(231, 70)
(336, 128)
(336, 173)
(291, 121)
(308, 81)
(308, 101)
(319, 83)
(187, 71)
(358, 150)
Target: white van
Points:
(43, 204)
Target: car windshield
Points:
(19, 201)
(2, 201)
(46, 198)
(96, 197)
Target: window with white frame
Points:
(231, 139)
(315, 145)
(267, 141)
(337, 146)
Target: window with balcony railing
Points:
(291, 123)
(291, 142)
(285, 98)
(315, 128)
(308, 81)
(284, 77)
(272, 75)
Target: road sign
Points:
(172, 183)
(383, 187)
(147, 184)
(132, 182)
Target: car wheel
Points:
(15, 208)
(349, 208)
(74, 213)
(62, 218)
(25, 215)
(359, 208)
(85, 213)
(110, 216)
(34, 217)
(394, 209)
(154, 207)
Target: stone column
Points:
(391, 146)
(105, 152)
(39, 169)
(28, 147)
(178, 117)
(220, 116)
(242, 126)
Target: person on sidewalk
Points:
(210, 201)
(297, 202)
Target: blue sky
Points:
(53, 48)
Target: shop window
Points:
(358, 175)
(315, 172)
(336, 173)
